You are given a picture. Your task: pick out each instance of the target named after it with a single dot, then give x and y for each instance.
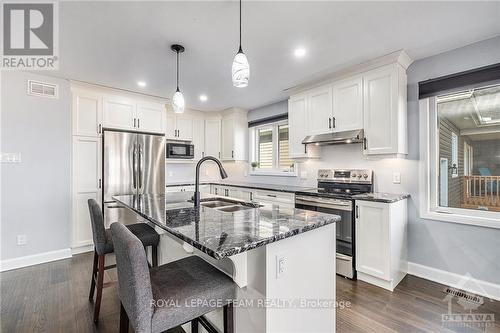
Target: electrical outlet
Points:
(11, 157)
(396, 177)
(280, 266)
(22, 240)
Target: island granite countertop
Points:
(222, 234)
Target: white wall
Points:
(35, 194)
(451, 247)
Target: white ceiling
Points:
(119, 43)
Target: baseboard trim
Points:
(463, 282)
(82, 249)
(35, 259)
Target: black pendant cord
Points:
(177, 71)
(240, 50)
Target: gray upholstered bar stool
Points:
(145, 294)
(103, 244)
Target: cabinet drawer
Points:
(275, 197)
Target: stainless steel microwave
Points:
(180, 150)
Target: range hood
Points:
(336, 138)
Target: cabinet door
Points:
(372, 239)
(151, 117)
(227, 142)
(119, 113)
(87, 113)
(184, 126)
(170, 130)
(246, 195)
(199, 137)
(297, 125)
(380, 110)
(86, 185)
(319, 111)
(212, 137)
(347, 105)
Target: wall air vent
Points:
(42, 89)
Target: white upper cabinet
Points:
(151, 117)
(119, 112)
(234, 137)
(384, 110)
(87, 113)
(199, 137)
(319, 110)
(179, 127)
(297, 125)
(212, 137)
(347, 105)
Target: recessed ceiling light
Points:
(299, 52)
(203, 98)
(141, 84)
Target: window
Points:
(269, 149)
(463, 155)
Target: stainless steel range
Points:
(334, 195)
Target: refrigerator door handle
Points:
(140, 167)
(134, 162)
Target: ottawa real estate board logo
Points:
(30, 36)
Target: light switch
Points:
(396, 177)
(280, 266)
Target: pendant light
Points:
(241, 69)
(178, 100)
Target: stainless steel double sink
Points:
(228, 205)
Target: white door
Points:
(87, 113)
(170, 130)
(184, 126)
(297, 125)
(119, 112)
(372, 239)
(347, 105)
(380, 110)
(319, 111)
(86, 185)
(212, 137)
(151, 117)
(227, 141)
(199, 137)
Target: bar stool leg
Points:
(100, 280)
(123, 319)
(228, 312)
(194, 325)
(154, 250)
(92, 280)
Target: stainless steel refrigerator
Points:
(133, 163)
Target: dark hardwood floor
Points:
(53, 297)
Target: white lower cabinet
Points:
(381, 242)
(86, 185)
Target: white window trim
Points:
(253, 152)
(428, 179)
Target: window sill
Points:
(487, 221)
(273, 173)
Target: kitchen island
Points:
(283, 259)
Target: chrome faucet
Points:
(223, 174)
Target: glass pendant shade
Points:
(178, 102)
(240, 70)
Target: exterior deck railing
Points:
(482, 191)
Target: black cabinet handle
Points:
(334, 122)
(178, 133)
(219, 154)
(329, 122)
(357, 211)
(202, 154)
(99, 129)
(134, 122)
(232, 153)
(138, 123)
(364, 143)
(99, 183)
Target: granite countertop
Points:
(222, 234)
(381, 197)
(258, 186)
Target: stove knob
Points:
(365, 176)
(353, 175)
(359, 176)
